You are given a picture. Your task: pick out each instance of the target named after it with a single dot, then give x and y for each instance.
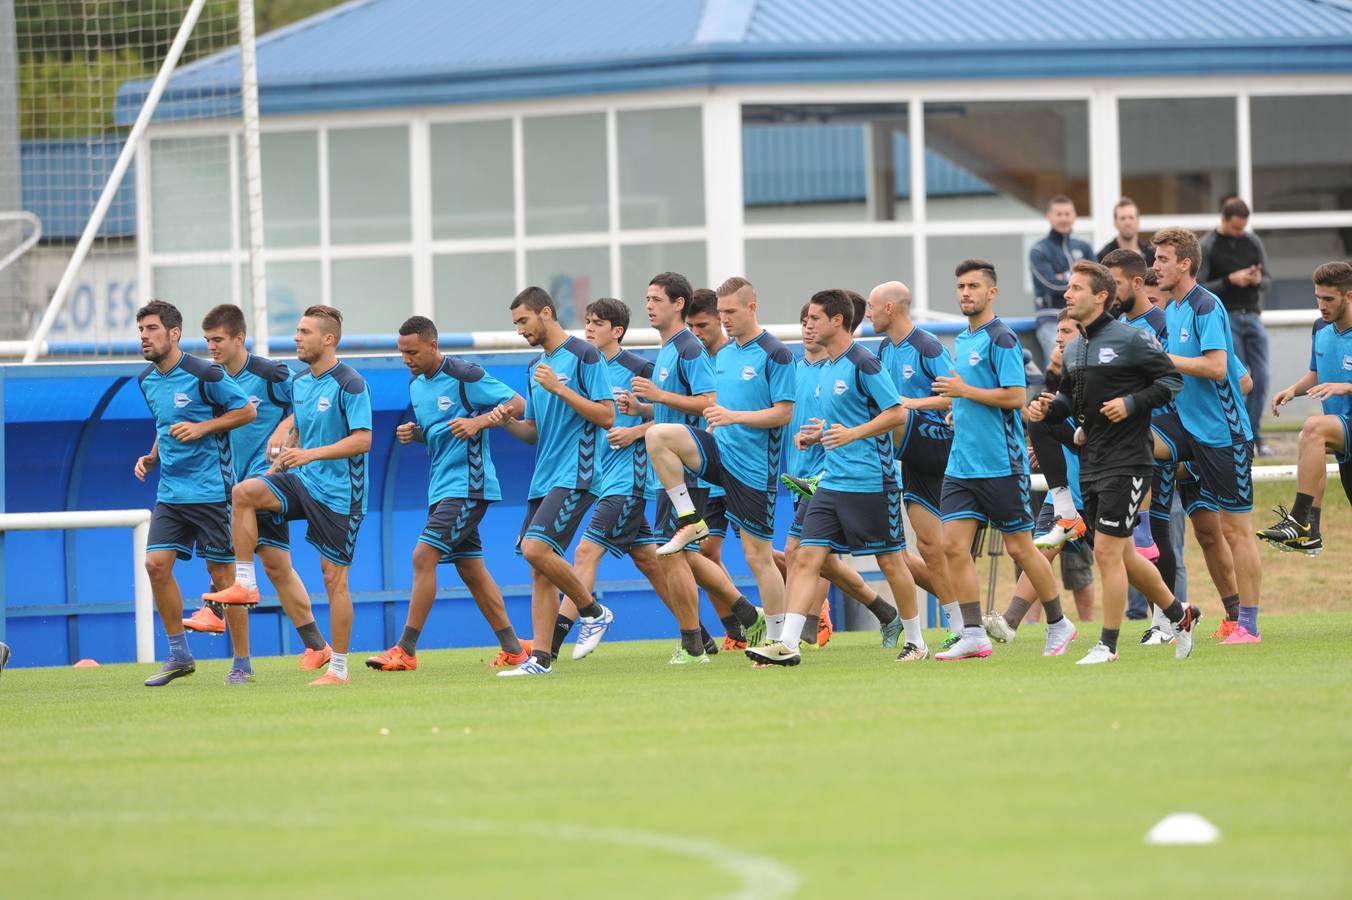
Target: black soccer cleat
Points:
(1288, 534)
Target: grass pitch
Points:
(621, 776)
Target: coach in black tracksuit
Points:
(1114, 375)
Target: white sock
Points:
(774, 627)
(911, 628)
(973, 631)
(1160, 620)
(1064, 504)
(680, 498)
(791, 629)
(338, 665)
(954, 612)
(244, 574)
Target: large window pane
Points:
(194, 290)
(574, 277)
(1302, 152)
(1009, 253)
(471, 180)
(1178, 155)
(290, 189)
(1293, 255)
(566, 174)
(787, 273)
(1007, 159)
(472, 291)
(374, 295)
(661, 168)
(190, 194)
(292, 288)
(640, 262)
(368, 185)
(825, 163)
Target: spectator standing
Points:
(1127, 221)
(1051, 260)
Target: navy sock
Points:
(310, 636)
(745, 612)
(562, 625)
(243, 664)
(591, 610)
(1109, 637)
(1248, 619)
(1300, 510)
(882, 610)
(733, 627)
(409, 642)
(1231, 605)
(1174, 612)
(178, 646)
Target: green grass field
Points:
(620, 776)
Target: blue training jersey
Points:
(569, 448)
(1331, 361)
(806, 405)
(683, 367)
(194, 390)
(1151, 320)
(328, 408)
(914, 362)
(1212, 411)
(988, 442)
(267, 384)
(459, 389)
(752, 376)
(625, 471)
(854, 390)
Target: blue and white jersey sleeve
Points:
(1331, 361)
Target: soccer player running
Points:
(1330, 382)
(754, 390)
(569, 407)
(987, 475)
(453, 405)
(328, 489)
(857, 506)
(1114, 376)
(1211, 409)
(194, 405)
(267, 383)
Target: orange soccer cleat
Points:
(235, 595)
(824, 626)
(734, 645)
(205, 621)
(393, 660)
(327, 678)
(506, 660)
(315, 659)
(1225, 629)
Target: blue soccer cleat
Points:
(172, 668)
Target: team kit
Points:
(1143, 401)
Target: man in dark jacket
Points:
(1050, 260)
(1127, 221)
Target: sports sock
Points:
(178, 646)
(774, 627)
(244, 574)
(1248, 619)
(971, 616)
(810, 629)
(1052, 610)
(1300, 509)
(705, 638)
(507, 640)
(1109, 637)
(745, 612)
(733, 627)
(562, 625)
(911, 629)
(954, 613)
(243, 664)
(792, 633)
(409, 642)
(1168, 561)
(1141, 534)
(310, 636)
(680, 500)
(1314, 520)
(1175, 612)
(1158, 619)
(591, 610)
(1064, 504)
(1017, 609)
(1231, 605)
(338, 665)
(885, 612)
(692, 642)
(542, 657)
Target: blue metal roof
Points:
(62, 181)
(381, 53)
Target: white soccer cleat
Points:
(1059, 637)
(590, 631)
(776, 653)
(1158, 635)
(530, 667)
(998, 629)
(1064, 530)
(1098, 655)
(687, 534)
(967, 647)
(1183, 632)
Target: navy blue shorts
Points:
(923, 488)
(333, 534)
(1002, 502)
(453, 528)
(1168, 427)
(861, 524)
(1111, 503)
(1163, 483)
(1346, 456)
(1191, 493)
(716, 515)
(664, 520)
(619, 524)
(181, 527)
(925, 445)
(799, 514)
(555, 518)
(749, 508)
(1226, 474)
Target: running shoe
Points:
(967, 647)
(1064, 530)
(776, 653)
(1059, 637)
(235, 595)
(172, 668)
(205, 621)
(891, 632)
(316, 659)
(590, 631)
(530, 667)
(392, 660)
(505, 660)
(682, 658)
(1097, 655)
(690, 531)
(998, 629)
(911, 653)
(239, 676)
(803, 487)
(1242, 635)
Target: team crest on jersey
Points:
(840, 387)
(1183, 333)
(563, 377)
(181, 399)
(816, 394)
(255, 402)
(974, 358)
(748, 373)
(323, 404)
(1347, 363)
(1106, 355)
(662, 374)
(443, 403)
(907, 371)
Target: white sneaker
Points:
(1099, 654)
(1158, 635)
(967, 647)
(590, 631)
(691, 533)
(1064, 530)
(1059, 637)
(1183, 633)
(998, 629)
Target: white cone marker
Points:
(1183, 828)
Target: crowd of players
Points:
(1144, 399)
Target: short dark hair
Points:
(330, 318)
(1337, 275)
(1062, 314)
(677, 286)
(422, 326)
(608, 309)
(167, 312)
(702, 301)
(802, 313)
(1100, 279)
(987, 269)
(1234, 208)
(1130, 262)
(227, 316)
(1185, 244)
(1123, 201)
(834, 303)
(535, 299)
(857, 307)
(1058, 200)
(1151, 279)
